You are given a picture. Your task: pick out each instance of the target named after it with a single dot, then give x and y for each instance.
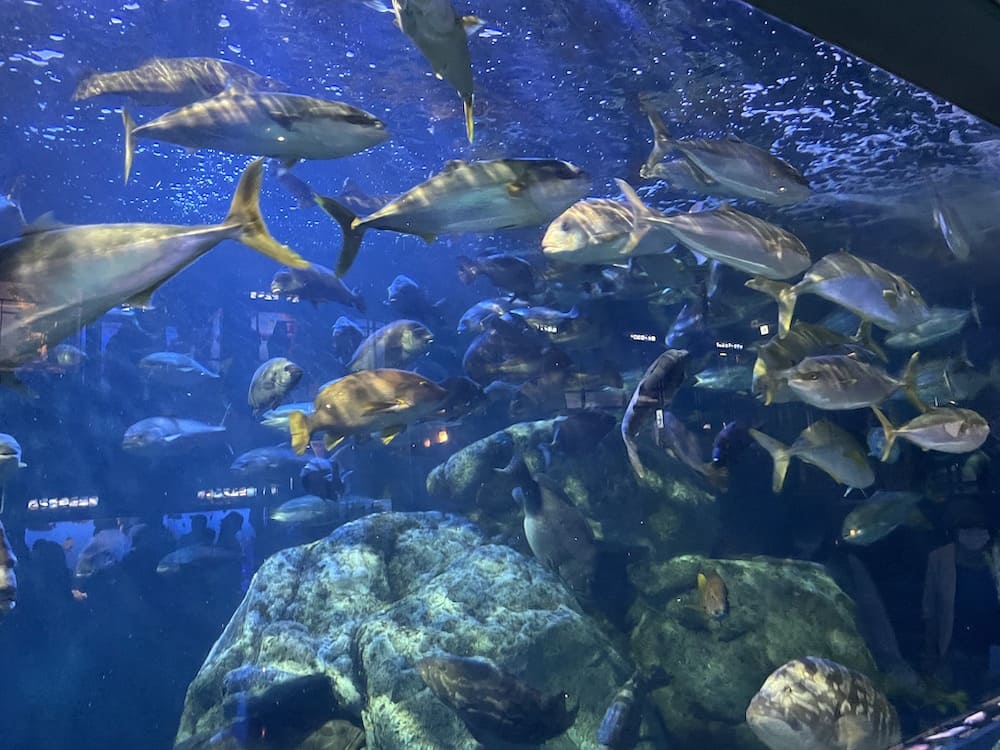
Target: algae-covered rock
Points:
(363, 605)
(671, 511)
(778, 610)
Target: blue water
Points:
(554, 79)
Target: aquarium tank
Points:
(421, 374)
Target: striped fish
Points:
(865, 288)
(731, 237)
(288, 127)
(174, 81)
(597, 230)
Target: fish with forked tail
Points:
(442, 37)
(817, 704)
(174, 81)
(730, 165)
(825, 446)
(284, 126)
(69, 276)
(477, 196)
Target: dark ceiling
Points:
(948, 47)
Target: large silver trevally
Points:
(175, 369)
(825, 446)
(839, 381)
(732, 237)
(736, 167)
(157, 434)
(477, 196)
(174, 81)
(818, 704)
(947, 429)
(879, 516)
(865, 288)
(288, 127)
(69, 276)
(442, 36)
(942, 323)
(598, 230)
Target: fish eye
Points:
(782, 189)
(814, 375)
(565, 226)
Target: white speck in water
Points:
(234, 48)
(223, 22)
(47, 54)
(349, 53)
(116, 21)
(131, 6)
(57, 37)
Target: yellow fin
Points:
(702, 581)
(389, 434)
(332, 441)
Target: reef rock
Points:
(363, 605)
(670, 512)
(778, 610)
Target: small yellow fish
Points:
(713, 595)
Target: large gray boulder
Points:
(778, 610)
(364, 604)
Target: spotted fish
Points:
(817, 704)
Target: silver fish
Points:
(840, 381)
(270, 462)
(735, 167)
(655, 391)
(825, 446)
(942, 323)
(878, 516)
(10, 457)
(311, 510)
(277, 418)
(597, 231)
(175, 369)
(316, 284)
(946, 429)
(478, 196)
(948, 221)
(174, 81)
(817, 704)
(732, 237)
(195, 556)
(442, 37)
(69, 276)
(285, 126)
(865, 288)
(735, 378)
(392, 345)
(155, 434)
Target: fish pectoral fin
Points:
(514, 189)
(332, 441)
(378, 407)
(891, 298)
(143, 299)
(389, 434)
(428, 238)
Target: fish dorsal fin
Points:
(451, 165)
(45, 223)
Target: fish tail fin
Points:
(909, 379)
(466, 269)
(129, 125)
(633, 458)
(640, 217)
(86, 85)
(779, 454)
(889, 431)
(974, 309)
(467, 102)
(864, 338)
(352, 234)
(298, 425)
(244, 215)
(783, 294)
(662, 142)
